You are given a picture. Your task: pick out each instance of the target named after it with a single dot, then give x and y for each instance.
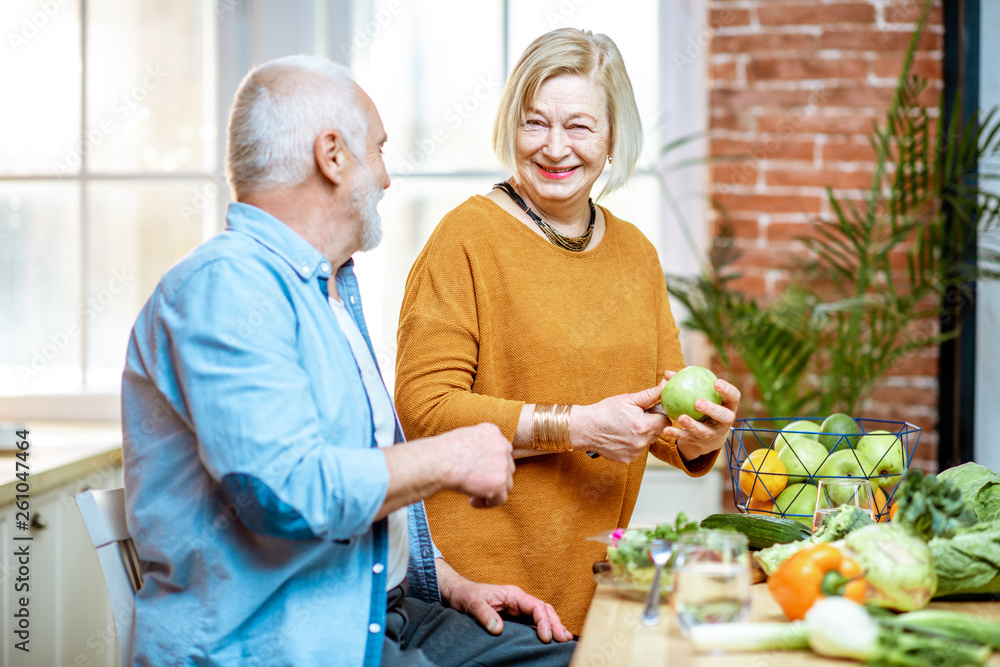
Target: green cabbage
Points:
(969, 562)
(979, 486)
(899, 567)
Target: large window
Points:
(108, 143)
(111, 160)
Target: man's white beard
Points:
(365, 199)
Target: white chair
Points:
(104, 515)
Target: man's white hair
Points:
(279, 110)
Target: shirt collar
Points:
(275, 235)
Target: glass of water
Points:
(711, 578)
(832, 494)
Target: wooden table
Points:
(614, 635)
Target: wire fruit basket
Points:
(789, 491)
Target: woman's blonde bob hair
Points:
(580, 52)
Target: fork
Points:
(659, 552)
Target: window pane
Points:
(635, 31)
(40, 334)
(151, 85)
(411, 210)
(40, 76)
(138, 231)
(435, 72)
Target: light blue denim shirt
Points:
(251, 471)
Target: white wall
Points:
(987, 426)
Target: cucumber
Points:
(761, 530)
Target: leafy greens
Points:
(979, 486)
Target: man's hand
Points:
(475, 460)
(695, 438)
(484, 602)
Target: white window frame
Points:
(254, 31)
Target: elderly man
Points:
(276, 521)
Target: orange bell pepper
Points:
(812, 574)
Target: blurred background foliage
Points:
(881, 273)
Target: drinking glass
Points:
(835, 493)
(711, 578)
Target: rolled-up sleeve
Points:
(231, 332)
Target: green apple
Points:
(686, 387)
(845, 463)
(810, 428)
(834, 427)
(802, 457)
(886, 451)
(797, 499)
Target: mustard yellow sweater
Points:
(494, 316)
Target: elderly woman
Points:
(534, 309)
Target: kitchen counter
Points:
(614, 635)
(61, 452)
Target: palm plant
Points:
(879, 269)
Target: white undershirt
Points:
(384, 420)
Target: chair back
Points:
(104, 515)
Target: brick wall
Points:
(795, 87)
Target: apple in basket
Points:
(885, 450)
(801, 426)
(802, 456)
(846, 463)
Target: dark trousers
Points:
(418, 634)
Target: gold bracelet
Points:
(550, 428)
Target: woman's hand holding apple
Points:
(619, 428)
(695, 438)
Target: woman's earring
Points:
(609, 159)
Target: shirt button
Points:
(377, 568)
(324, 267)
(374, 628)
(305, 269)
(425, 552)
(352, 298)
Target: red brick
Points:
(910, 12)
(807, 68)
(723, 71)
(767, 258)
(890, 65)
(758, 43)
(918, 365)
(877, 40)
(742, 172)
(765, 149)
(821, 178)
(812, 14)
(722, 18)
(848, 152)
(853, 124)
(764, 98)
(783, 232)
(727, 119)
(766, 203)
(860, 96)
(748, 284)
(744, 228)
(931, 96)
